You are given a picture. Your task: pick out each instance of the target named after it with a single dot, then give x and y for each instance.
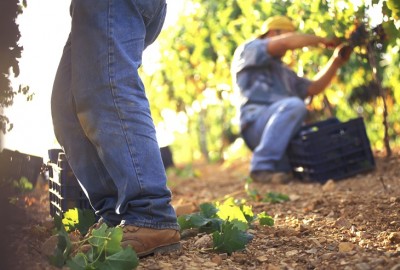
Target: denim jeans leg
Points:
(107, 41)
(272, 132)
(80, 152)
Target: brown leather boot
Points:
(270, 177)
(147, 241)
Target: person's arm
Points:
(324, 76)
(278, 45)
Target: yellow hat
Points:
(277, 23)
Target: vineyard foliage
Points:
(191, 88)
(10, 53)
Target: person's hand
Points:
(343, 53)
(331, 42)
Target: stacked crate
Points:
(14, 165)
(330, 149)
(64, 190)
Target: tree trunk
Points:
(1, 133)
(382, 93)
(203, 135)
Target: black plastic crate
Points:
(14, 165)
(53, 154)
(63, 177)
(58, 206)
(64, 190)
(330, 149)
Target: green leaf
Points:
(99, 236)
(184, 222)
(231, 212)
(391, 31)
(92, 254)
(79, 219)
(123, 260)
(230, 238)
(105, 252)
(23, 185)
(113, 245)
(57, 259)
(275, 197)
(198, 220)
(208, 210)
(79, 262)
(63, 249)
(70, 219)
(265, 219)
(64, 243)
(213, 224)
(195, 220)
(243, 226)
(247, 212)
(58, 224)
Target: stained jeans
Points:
(271, 133)
(101, 115)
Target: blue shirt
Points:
(262, 79)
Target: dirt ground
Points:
(348, 224)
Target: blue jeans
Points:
(101, 115)
(271, 133)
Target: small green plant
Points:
(101, 249)
(228, 223)
(265, 219)
(78, 219)
(271, 197)
(275, 197)
(230, 238)
(188, 171)
(104, 252)
(23, 185)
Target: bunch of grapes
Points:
(379, 33)
(359, 36)
(364, 93)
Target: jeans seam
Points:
(149, 15)
(113, 88)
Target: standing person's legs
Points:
(101, 113)
(271, 132)
(86, 163)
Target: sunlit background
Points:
(44, 27)
(193, 102)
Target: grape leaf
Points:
(123, 260)
(58, 258)
(63, 248)
(184, 222)
(197, 220)
(105, 252)
(233, 209)
(98, 236)
(79, 219)
(230, 238)
(265, 219)
(231, 212)
(113, 245)
(78, 262)
(243, 226)
(58, 222)
(248, 213)
(274, 197)
(208, 210)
